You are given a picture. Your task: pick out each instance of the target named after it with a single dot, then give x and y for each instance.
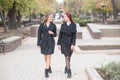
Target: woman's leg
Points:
(47, 65)
(67, 60)
(46, 68)
(48, 61)
(45, 58)
(68, 66)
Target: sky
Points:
(59, 1)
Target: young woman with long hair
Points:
(66, 41)
(46, 42)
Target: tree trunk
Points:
(2, 14)
(12, 17)
(114, 9)
(19, 18)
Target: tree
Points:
(2, 15)
(73, 6)
(12, 16)
(114, 9)
(16, 8)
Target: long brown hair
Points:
(46, 17)
(69, 16)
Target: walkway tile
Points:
(27, 63)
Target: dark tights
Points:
(67, 60)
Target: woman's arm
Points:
(39, 35)
(59, 38)
(74, 37)
(54, 32)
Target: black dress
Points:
(67, 37)
(46, 41)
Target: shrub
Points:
(83, 21)
(1, 24)
(112, 70)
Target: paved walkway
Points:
(26, 63)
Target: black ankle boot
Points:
(69, 73)
(46, 73)
(65, 71)
(50, 70)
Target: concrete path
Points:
(26, 63)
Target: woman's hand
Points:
(50, 32)
(72, 47)
(59, 47)
(39, 46)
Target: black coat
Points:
(67, 37)
(45, 40)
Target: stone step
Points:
(86, 34)
(99, 47)
(112, 51)
(98, 31)
(94, 31)
(101, 44)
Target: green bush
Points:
(112, 70)
(83, 21)
(1, 24)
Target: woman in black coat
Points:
(46, 34)
(67, 39)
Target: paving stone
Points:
(27, 63)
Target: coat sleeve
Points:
(59, 38)
(55, 34)
(74, 37)
(39, 35)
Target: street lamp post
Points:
(103, 5)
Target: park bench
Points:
(10, 43)
(94, 31)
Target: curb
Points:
(24, 40)
(93, 74)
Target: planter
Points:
(103, 75)
(93, 74)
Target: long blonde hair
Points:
(46, 17)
